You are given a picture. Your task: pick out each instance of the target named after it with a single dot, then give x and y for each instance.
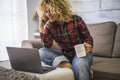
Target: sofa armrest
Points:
(36, 44)
(32, 43)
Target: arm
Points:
(45, 34)
(46, 37)
(32, 43)
(88, 40)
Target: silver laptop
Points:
(26, 59)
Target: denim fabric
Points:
(81, 67)
(52, 57)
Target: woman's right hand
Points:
(43, 21)
(44, 18)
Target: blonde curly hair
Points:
(60, 7)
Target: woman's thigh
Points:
(88, 59)
(81, 66)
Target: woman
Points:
(58, 23)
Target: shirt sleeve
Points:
(84, 31)
(46, 38)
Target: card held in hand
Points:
(80, 50)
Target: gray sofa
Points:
(106, 50)
(106, 63)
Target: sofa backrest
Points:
(116, 50)
(103, 35)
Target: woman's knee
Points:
(42, 49)
(47, 53)
(81, 63)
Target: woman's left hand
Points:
(88, 47)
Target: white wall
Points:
(32, 25)
(92, 11)
(13, 24)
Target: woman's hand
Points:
(44, 18)
(43, 21)
(88, 47)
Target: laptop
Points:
(26, 59)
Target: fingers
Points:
(45, 18)
(88, 47)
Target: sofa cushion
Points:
(116, 50)
(108, 70)
(100, 59)
(57, 74)
(103, 35)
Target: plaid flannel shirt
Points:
(66, 35)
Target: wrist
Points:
(42, 30)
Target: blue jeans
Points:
(80, 66)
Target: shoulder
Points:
(76, 17)
(78, 20)
(52, 25)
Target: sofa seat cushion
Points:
(58, 74)
(107, 70)
(100, 59)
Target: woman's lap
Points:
(52, 57)
(80, 66)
